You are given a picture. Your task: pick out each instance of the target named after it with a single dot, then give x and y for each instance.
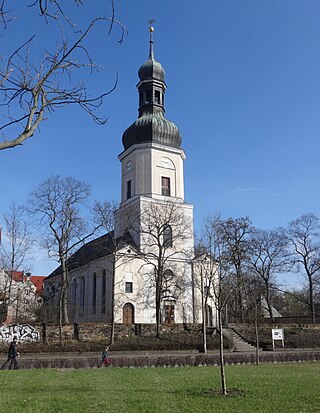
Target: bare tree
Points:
(165, 232)
(15, 246)
(236, 233)
(57, 205)
(268, 257)
(304, 236)
(32, 91)
(216, 244)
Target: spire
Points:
(151, 30)
(151, 54)
(151, 69)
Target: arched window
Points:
(74, 292)
(94, 292)
(128, 314)
(82, 293)
(103, 291)
(167, 236)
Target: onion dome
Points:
(151, 125)
(151, 69)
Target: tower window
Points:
(148, 96)
(140, 98)
(129, 287)
(129, 189)
(165, 186)
(157, 96)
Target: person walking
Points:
(105, 361)
(12, 356)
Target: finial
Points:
(151, 30)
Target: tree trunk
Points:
(64, 305)
(311, 301)
(112, 301)
(240, 292)
(203, 304)
(257, 335)
(221, 356)
(60, 320)
(158, 310)
(64, 292)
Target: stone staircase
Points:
(239, 344)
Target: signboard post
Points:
(277, 334)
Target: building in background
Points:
(21, 294)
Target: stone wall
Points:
(96, 332)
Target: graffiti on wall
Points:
(23, 333)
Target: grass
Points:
(265, 388)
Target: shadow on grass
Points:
(214, 393)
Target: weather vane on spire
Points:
(151, 21)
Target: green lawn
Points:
(266, 388)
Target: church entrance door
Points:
(128, 314)
(169, 314)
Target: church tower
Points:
(153, 210)
(152, 160)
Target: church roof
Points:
(95, 249)
(151, 69)
(152, 127)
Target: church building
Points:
(145, 269)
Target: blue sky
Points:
(243, 88)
